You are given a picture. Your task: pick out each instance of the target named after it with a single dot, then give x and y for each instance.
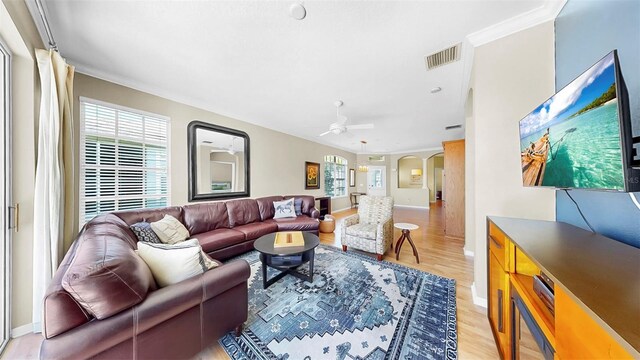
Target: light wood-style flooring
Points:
(438, 255)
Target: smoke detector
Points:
(443, 57)
(297, 11)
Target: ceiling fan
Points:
(340, 126)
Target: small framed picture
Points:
(352, 177)
(312, 175)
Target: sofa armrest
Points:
(314, 213)
(346, 222)
(384, 235)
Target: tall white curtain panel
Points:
(53, 196)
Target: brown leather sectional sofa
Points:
(114, 309)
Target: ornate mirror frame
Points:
(193, 161)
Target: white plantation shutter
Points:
(123, 159)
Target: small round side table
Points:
(406, 235)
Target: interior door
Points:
(377, 181)
(5, 193)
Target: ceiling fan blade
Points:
(325, 133)
(360, 126)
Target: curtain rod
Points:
(52, 42)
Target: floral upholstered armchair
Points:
(371, 229)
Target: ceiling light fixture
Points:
(436, 89)
(297, 11)
(363, 147)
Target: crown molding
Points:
(171, 96)
(548, 11)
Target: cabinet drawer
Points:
(499, 246)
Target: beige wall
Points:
(414, 197)
(511, 76)
(19, 34)
(277, 159)
(404, 167)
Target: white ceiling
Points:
(251, 61)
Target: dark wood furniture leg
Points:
(344, 247)
(238, 330)
(399, 244)
(415, 251)
(379, 257)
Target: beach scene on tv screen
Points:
(573, 139)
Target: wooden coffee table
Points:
(287, 260)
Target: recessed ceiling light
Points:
(436, 89)
(297, 11)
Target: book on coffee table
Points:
(288, 239)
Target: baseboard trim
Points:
(468, 253)
(477, 300)
(412, 207)
(340, 210)
(22, 330)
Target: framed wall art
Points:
(312, 175)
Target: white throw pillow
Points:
(284, 209)
(171, 264)
(170, 230)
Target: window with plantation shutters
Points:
(124, 161)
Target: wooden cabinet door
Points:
(454, 185)
(499, 305)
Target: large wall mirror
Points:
(218, 162)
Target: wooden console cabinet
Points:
(596, 284)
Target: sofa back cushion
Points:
(150, 215)
(265, 205)
(106, 276)
(201, 218)
(243, 211)
(375, 209)
(308, 203)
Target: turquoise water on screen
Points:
(589, 157)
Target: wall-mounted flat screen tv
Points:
(576, 139)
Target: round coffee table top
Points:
(264, 244)
(406, 226)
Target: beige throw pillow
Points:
(170, 230)
(171, 264)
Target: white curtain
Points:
(53, 195)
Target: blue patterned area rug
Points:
(356, 308)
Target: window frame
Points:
(7, 224)
(82, 139)
(345, 179)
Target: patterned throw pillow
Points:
(170, 230)
(284, 209)
(145, 233)
(297, 204)
(171, 264)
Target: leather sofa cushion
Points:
(300, 223)
(219, 239)
(106, 276)
(255, 230)
(200, 218)
(308, 202)
(265, 205)
(243, 211)
(150, 215)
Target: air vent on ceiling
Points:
(451, 127)
(443, 57)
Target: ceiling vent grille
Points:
(443, 57)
